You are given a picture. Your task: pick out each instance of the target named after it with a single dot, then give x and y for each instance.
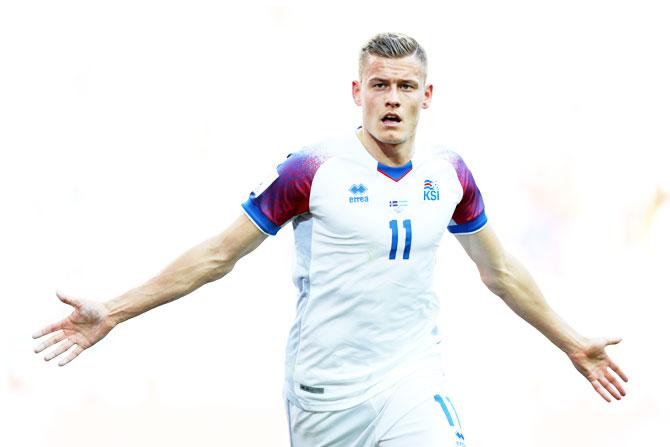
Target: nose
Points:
(393, 99)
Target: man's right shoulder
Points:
(312, 156)
(333, 145)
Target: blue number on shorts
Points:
(455, 412)
(440, 401)
(407, 224)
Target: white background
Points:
(130, 131)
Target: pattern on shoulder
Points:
(288, 195)
(469, 215)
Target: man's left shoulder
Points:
(440, 153)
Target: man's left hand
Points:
(593, 362)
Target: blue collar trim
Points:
(395, 172)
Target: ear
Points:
(427, 96)
(356, 92)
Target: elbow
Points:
(498, 280)
(223, 251)
(220, 262)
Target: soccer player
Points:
(368, 210)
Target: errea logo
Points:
(358, 189)
(358, 192)
(430, 190)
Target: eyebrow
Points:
(400, 81)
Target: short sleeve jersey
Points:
(365, 238)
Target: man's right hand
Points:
(85, 326)
(206, 262)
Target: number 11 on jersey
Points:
(407, 225)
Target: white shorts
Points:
(417, 411)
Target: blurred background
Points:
(130, 131)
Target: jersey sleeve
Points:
(286, 195)
(469, 216)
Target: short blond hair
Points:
(392, 45)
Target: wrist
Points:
(576, 348)
(114, 314)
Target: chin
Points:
(391, 137)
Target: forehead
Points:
(408, 67)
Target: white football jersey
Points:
(365, 238)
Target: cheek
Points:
(414, 107)
(370, 99)
(369, 104)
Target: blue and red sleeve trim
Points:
(469, 227)
(257, 217)
(469, 215)
(287, 196)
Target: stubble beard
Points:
(391, 140)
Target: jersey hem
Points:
(432, 362)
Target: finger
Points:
(64, 346)
(614, 367)
(615, 382)
(71, 355)
(613, 341)
(52, 341)
(68, 299)
(600, 390)
(610, 389)
(51, 328)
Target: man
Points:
(368, 210)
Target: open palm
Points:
(85, 326)
(594, 364)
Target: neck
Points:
(385, 153)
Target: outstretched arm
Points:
(90, 321)
(507, 278)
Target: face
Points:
(392, 93)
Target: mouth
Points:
(391, 120)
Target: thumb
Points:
(613, 341)
(68, 299)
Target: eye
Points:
(406, 86)
(378, 85)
